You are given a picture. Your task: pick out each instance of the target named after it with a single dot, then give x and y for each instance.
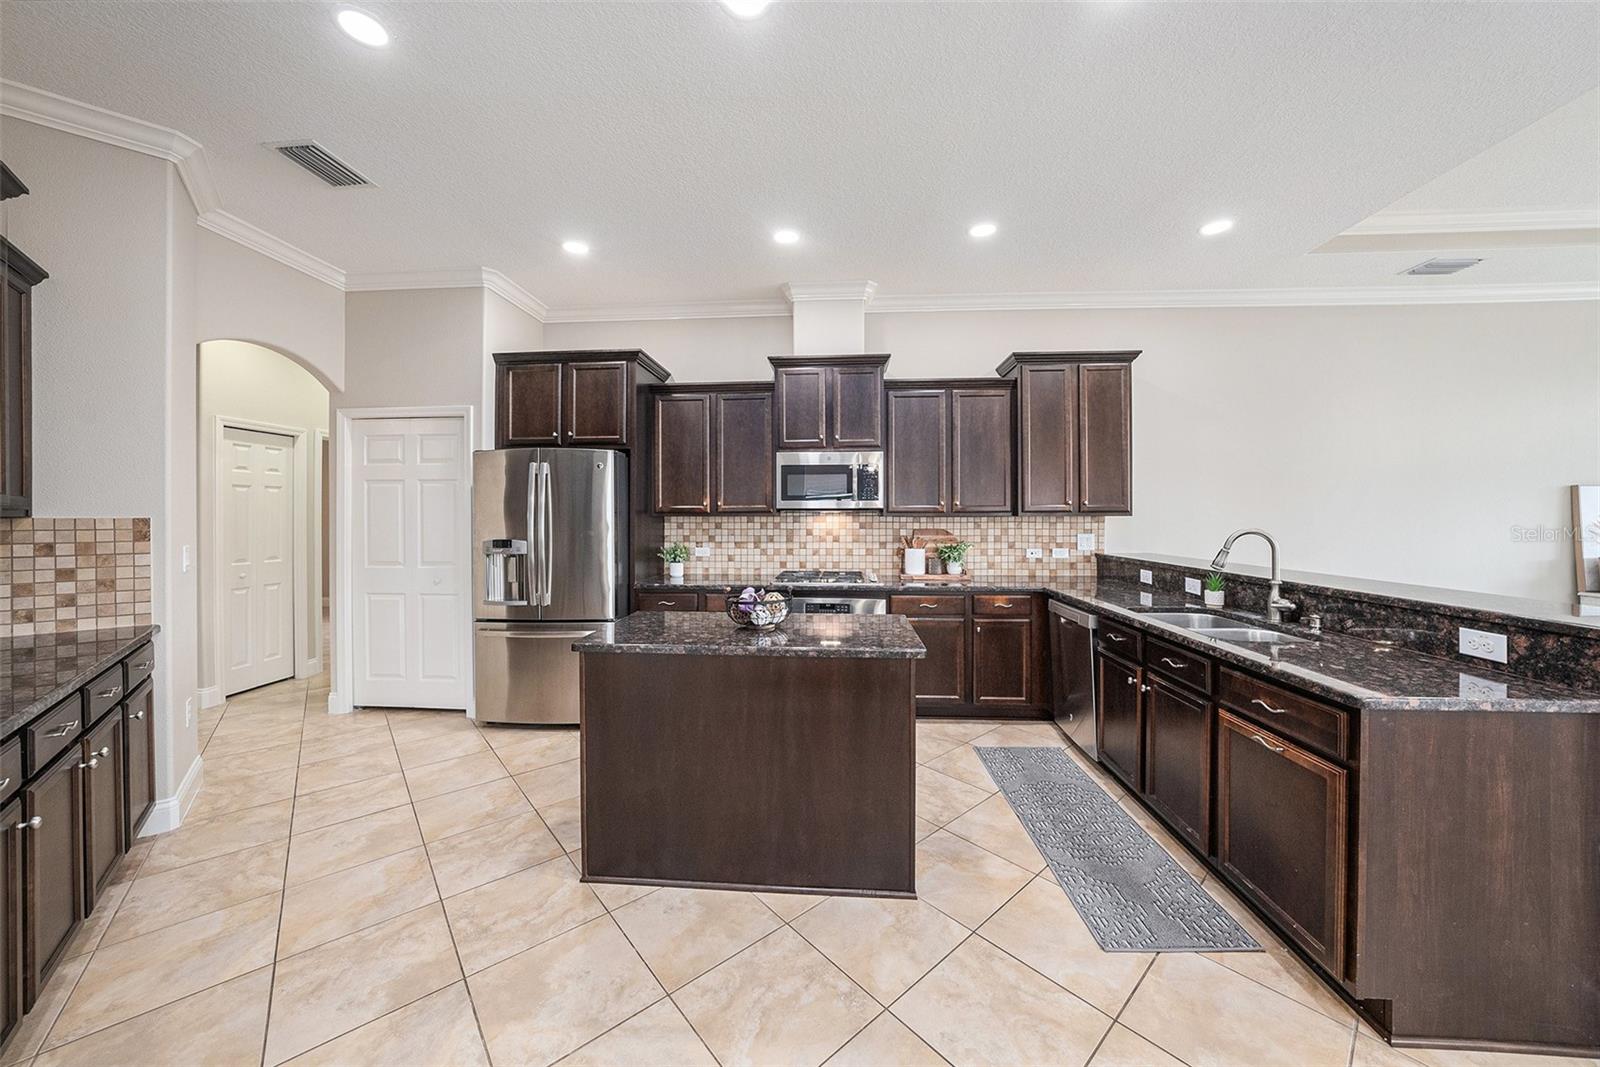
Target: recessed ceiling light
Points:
(983, 229)
(363, 27)
(576, 248)
(1216, 226)
(746, 9)
(786, 237)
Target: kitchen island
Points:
(721, 757)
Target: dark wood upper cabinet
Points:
(949, 447)
(52, 863)
(917, 459)
(1076, 430)
(742, 425)
(1177, 758)
(828, 402)
(586, 399)
(682, 453)
(16, 368)
(980, 450)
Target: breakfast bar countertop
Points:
(700, 633)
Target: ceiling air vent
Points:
(1442, 266)
(321, 162)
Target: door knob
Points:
(436, 581)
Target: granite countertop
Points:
(705, 633)
(37, 671)
(719, 583)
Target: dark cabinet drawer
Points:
(1120, 640)
(915, 606)
(52, 733)
(997, 606)
(669, 601)
(1311, 722)
(1179, 665)
(137, 667)
(10, 770)
(104, 693)
(716, 602)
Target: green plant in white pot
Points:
(954, 556)
(675, 555)
(1213, 589)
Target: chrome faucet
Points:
(1276, 605)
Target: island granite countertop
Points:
(37, 671)
(704, 633)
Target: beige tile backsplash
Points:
(73, 574)
(753, 547)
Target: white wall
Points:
(244, 381)
(506, 328)
(1400, 443)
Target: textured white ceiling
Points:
(675, 138)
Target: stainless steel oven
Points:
(829, 481)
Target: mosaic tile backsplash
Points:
(60, 575)
(759, 546)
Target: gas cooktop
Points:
(825, 577)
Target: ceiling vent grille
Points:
(321, 162)
(1441, 266)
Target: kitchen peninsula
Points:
(723, 757)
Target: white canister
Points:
(916, 561)
(674, 570)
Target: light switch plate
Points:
(1146, 578)
(184, 560)
(702, 551)
(188, 712)
(1483, 644)
(1475, 688)
(1086, 542)
(1034, 553)
(1060, 553)
(1191, 586)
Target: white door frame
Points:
(339, 697)
(306, 663)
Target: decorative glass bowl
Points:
(761, 611)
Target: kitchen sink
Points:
(1194, 620)
(1224, 629)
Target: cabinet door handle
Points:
(1268, 745)
(1133, 681)
(110, 694)
(105, 751)
(1115, 637)
(5, 782)
(30, 824)
(139, 714)
(977, 629)
(1169, 661)
(1144, 689)
(146, 665)
(63, 729)
(94, 761)
(1269, 707)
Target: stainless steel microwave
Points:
(829, 481)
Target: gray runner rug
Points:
(1131, 893)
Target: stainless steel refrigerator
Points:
(551, 530)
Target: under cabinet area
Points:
(828, 402)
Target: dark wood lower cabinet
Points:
(139, 731)
(52, 863)
(1002, 661)
(104, 825)
(1120, 733)
(1177, 758)
(10, 917)
(1282, 814)
(941, 678)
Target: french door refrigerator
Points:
(551, 529)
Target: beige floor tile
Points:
(492, 851)
(982, 1006)
(1278, 969)
(931, 746)
(440, 1028)
(228, 740)
(790, 906)
(1124, 1048)
(1202, 1012)
(941, 798)
(964, 881)
(613, 894)
(446, 776)
(412, 726)
(319, 748)
(209, 838)
(924, 827)
(1040, 927)
(963, 764)
(30, 1033)
(133, 859)
(463, 809)
(372, 762)
(439, 747)
(220, 795)
(1023, 735)
(993, 826)
(155, 901)
(883, 945)
(336, 987)
(93, 929)
(553, 998)
(548, 747)
(349, 844)
(659, 1036)
(138, 975)
(1371, 1052)
(547, 785)
(352, 899)
(957, 731)
(778, 1002)
(346, 802)
(272, 758)
(565, 819)
(501, 918)
(220, 1025)
(683, 933)
(886, 1041)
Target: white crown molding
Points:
(710, 309)
(24, 102)
(1396, 223)
(514, 294)
(465, 278)
(258, 240)
(798, 292)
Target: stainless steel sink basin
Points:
(1246, 635)
(1194, 620)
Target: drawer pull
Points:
(1115, 637)
(1002, 603)
(94, 761)
(30, 824)
(5, 782)
(1269, 707)
(110, 694)
(1264, 743)
(926, 605)
(64, 729)
(1169, 661)
(146, 665)
(665, 603)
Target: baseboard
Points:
(210, 696)
(337, 705)
(169, 812)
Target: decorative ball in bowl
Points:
(758, 609)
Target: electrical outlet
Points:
(702, 551)
(1034, 553)
(1147, 600)
(188, 712)
(1146, 578)
(1060, 553)
(1475, 688)
(1482, 644)
(184, 561)
(1086, 542)
(1191, 586)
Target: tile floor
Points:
(401, 887)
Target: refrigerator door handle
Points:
(535, 517)
(546, 534)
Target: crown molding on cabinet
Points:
(1421, 222)
(256, 239)
(799, 292)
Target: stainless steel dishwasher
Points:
(1072, 667)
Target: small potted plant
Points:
(953, 556)
(675, 555)
(1213, 589)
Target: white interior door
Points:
(257, 558)
(409, 527)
